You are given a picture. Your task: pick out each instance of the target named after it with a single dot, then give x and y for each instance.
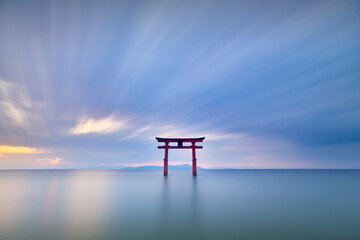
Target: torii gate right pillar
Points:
(166, 159)
(193, 158)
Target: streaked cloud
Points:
(256, 79)
(13, 102)
(19, 112)
(176, 130)
(104, 125)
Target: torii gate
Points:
(180, 142)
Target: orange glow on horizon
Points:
(4, 149)
(50, 161)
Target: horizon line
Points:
(201, 168)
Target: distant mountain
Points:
(172, 167)
(183, 166)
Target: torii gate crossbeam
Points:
(180, 142)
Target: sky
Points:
(89, 84)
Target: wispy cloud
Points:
(19, 112)
(104, 125)
(178, 130)
(13, 101)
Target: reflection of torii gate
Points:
(180, 142)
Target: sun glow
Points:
(50, 161)
(4, 149)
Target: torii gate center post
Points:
(180, 145)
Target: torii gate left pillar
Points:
(180, 142)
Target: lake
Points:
(143, 204)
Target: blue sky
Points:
(270, 84)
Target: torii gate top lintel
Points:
(180, 145)
(200, 139)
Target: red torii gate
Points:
(180, 142)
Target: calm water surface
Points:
(217, 204)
